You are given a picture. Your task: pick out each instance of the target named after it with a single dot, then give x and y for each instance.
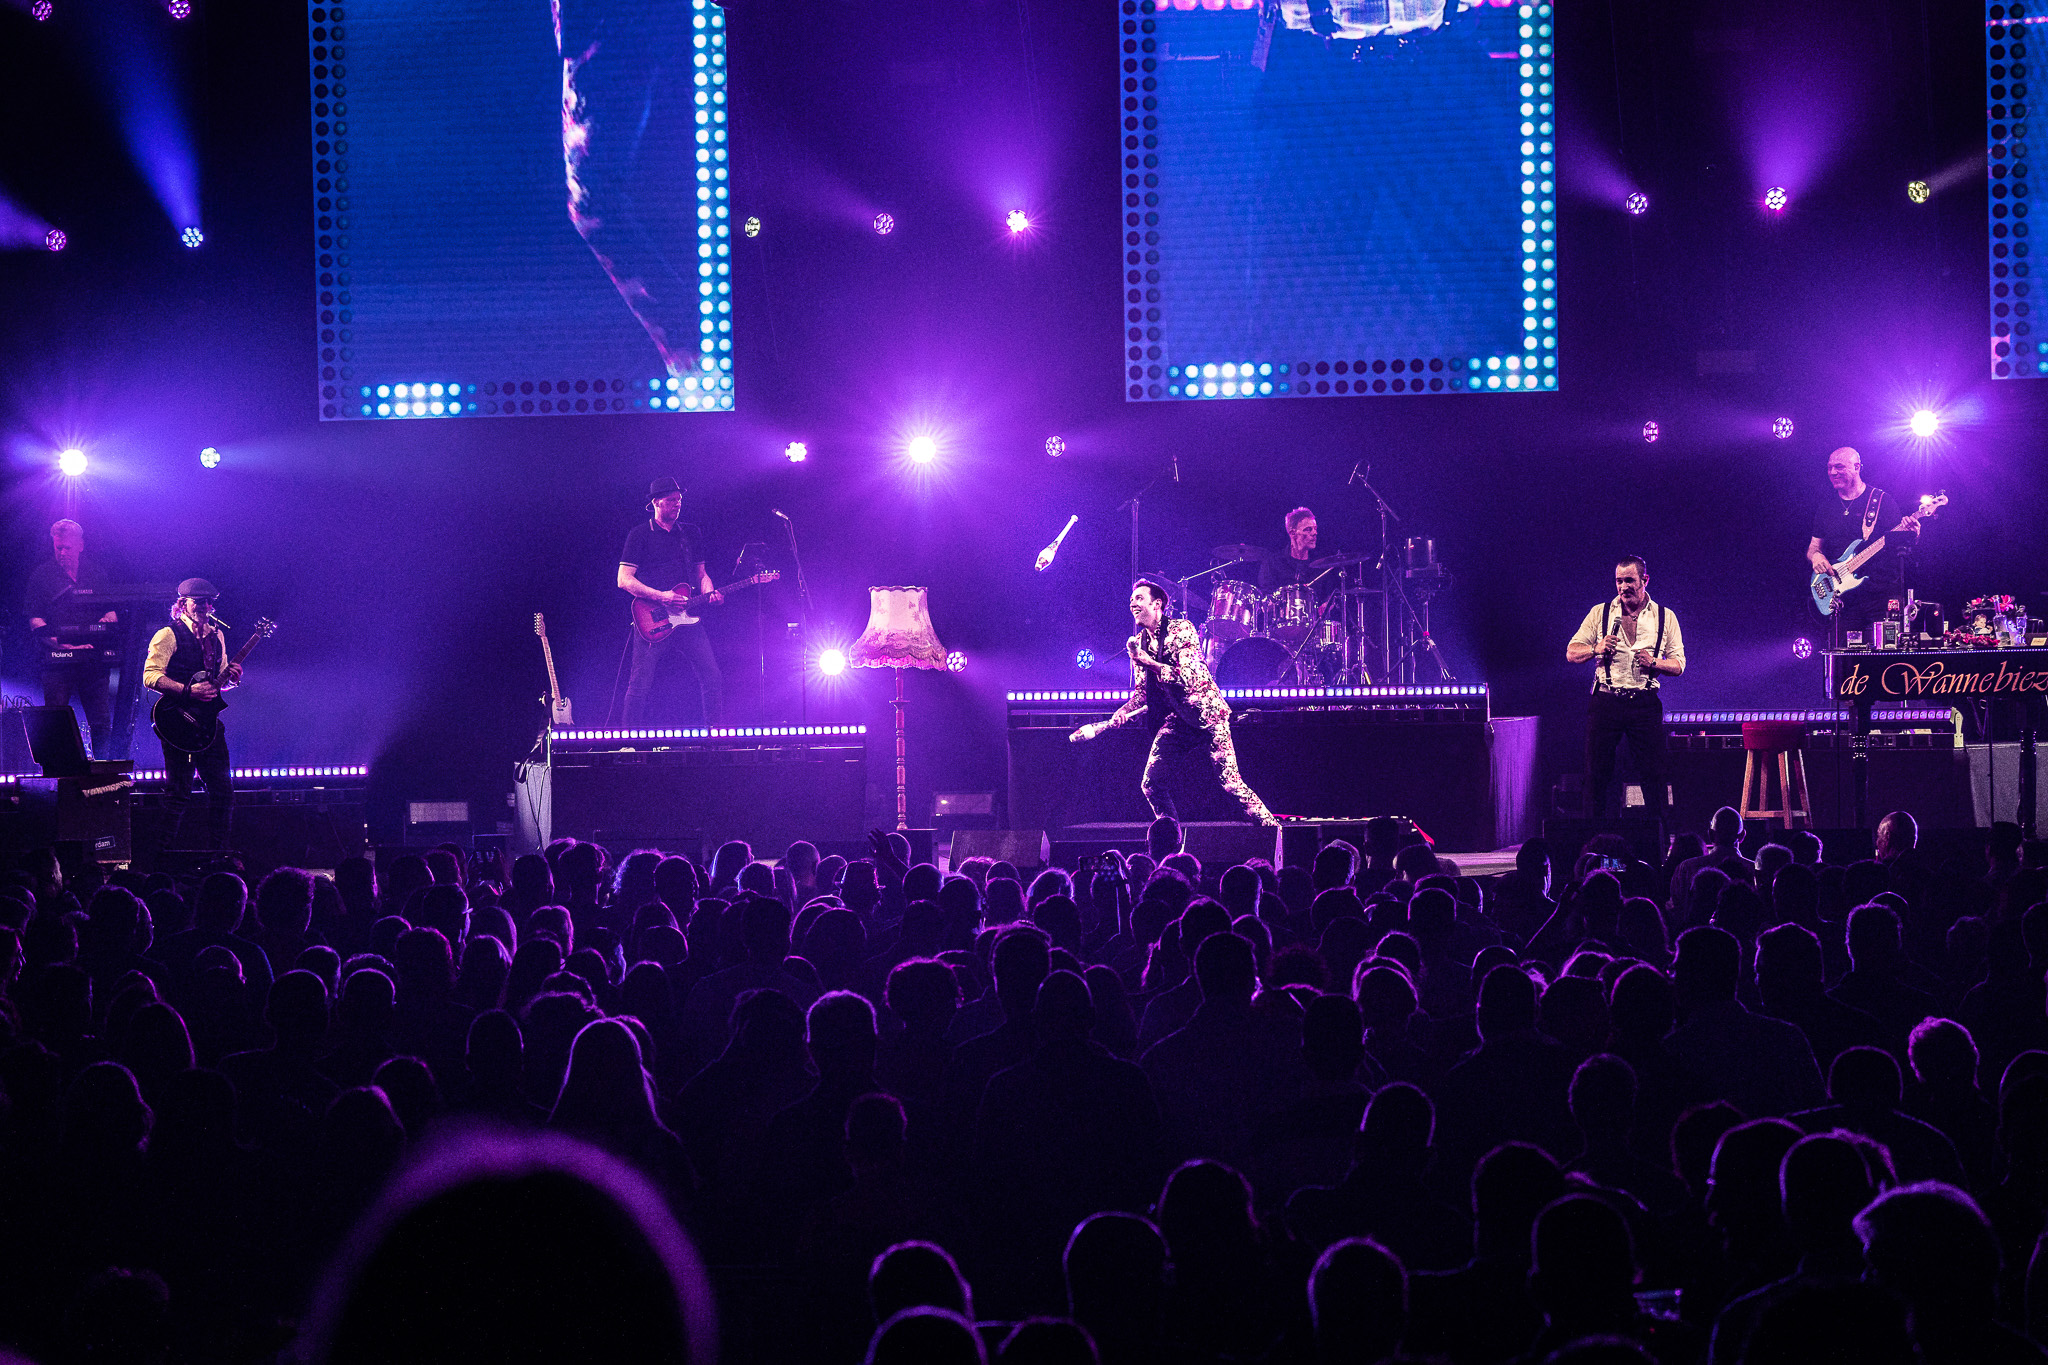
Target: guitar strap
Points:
(1871, 507)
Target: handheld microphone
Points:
(1045, 556)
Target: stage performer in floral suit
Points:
(1174, 690)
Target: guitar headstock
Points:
(1930, 503)
(540, 625)
(264, 628)
(767, 575)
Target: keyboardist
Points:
(75, 661)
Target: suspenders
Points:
(1607, 664)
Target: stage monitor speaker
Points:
(1221, 846)
(1568, 838)
(1025, 849)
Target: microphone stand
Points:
(1132, 503)
(739, 570)
(803, 628)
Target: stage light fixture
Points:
(1084, 658)
(752, 227)
(1782, 428)
(210, 458)
(55, 240)
(1918, 191)
(193, 238)
(180, 9)
(1925, 423)
(956, 662)
(1637, 203)
(71, 463)
(885, 223)
(1018, 220)
(797, 452)
(40, 10)
(832, 662)
(1055, 446)
(1775, 199)
(1802, 648)
(922, 450)
(1651, 431)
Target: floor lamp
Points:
(899, 636)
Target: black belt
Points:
(1628, 692)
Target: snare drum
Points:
(1234, 609)
(1291, 613)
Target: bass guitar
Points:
(190, 724)
(560, 715)
(1829, 587)
(654, 620)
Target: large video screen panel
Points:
(2016, 353)
(1337, 197)
(520, 207)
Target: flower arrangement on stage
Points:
(1991, 622)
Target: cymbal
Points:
(1335, 561)
(1233, 553)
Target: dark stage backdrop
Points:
(405, 560)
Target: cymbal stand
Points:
(1390, 582)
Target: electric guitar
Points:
(560, 714)
(188, 723)
(654, 620)
(1828, 587)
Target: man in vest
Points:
(1633, 644)
(193, 643)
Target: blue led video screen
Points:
(2016, 353)
(1329, 197)
(520, 208)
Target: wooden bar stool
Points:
(1786, 741)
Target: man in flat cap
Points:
(193, 645)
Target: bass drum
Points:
(1255, 662)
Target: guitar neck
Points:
(1864, 555)
(243, 652)
(548, 652)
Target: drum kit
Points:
(1309, 634)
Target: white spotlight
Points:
(71, 463)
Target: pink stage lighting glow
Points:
(1651, 431)
(1018, 220)
(797, 452)
(40, 10)
(55, 239)
(1802, 648)
(71, 463)
(832, 662)
(956, 662)
(1925, 423)
(1055, 446)
(1637, 203)
(180, 9)
(885, 223)
(1782, 428)
(922, 450)
(1775, 199)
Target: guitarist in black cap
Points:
(190, 645)
(663, 564)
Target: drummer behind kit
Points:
(1291, 637)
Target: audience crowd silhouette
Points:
(1730, 1108)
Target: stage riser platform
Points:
(690, 800)
(1465, 782)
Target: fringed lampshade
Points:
(899, 636)
(899, 633)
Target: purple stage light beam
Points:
(21, 228)
(140, 65)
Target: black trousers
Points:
(693, 643)
(88, 683)
(1638, 719)
(213, 769)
